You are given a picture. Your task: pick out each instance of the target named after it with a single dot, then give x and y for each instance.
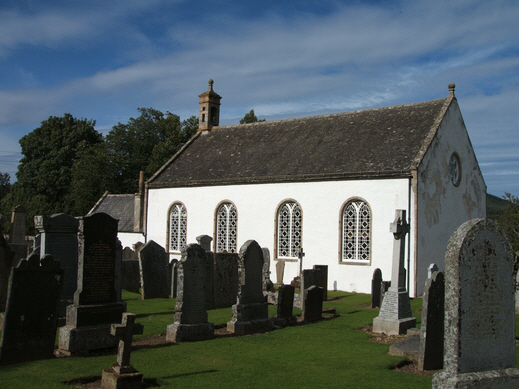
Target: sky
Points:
(103, 60)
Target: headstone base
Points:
(249, 327)
(393, 326)
(75, 341)
(492, 379)
(189, 332)
(111, 379)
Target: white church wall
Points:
(128, 239)
(442, 206)
(321, 204)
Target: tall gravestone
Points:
(58, 237)
(313, 303)
(479, 310)
(153, 264)
(250, 313)
(6, 261)
(280, 272)
(395, 316)
(190, 313)
(225, 279)
(29, 330)
(376, 287)
(18, 222)
(324, 279)
(95, 305)
(430, 355)
(173, 282)
(285, 305)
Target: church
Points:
(327, 186)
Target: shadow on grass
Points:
(89, 380)
(194, 373)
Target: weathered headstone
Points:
(324, 279)
(313, 304)
(18, 221)
(173, 282)
(479, 347)
(280, 271)
(153, 263)
(6, 261)
(250, 313)
(376, 286)
(430, 356)
(225, 279)
(395, 316)
(58, 237)
(130, 275)
(95, 305)
(204, 241)
(122, 375)
(190, 314)
(30, 322)
(384, 287)
(310, 277)
(268, 286)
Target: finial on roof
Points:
(211, 82)
(452, 86)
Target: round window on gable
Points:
(455, 169)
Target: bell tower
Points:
(209, 115)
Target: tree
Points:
(45, 170)
(509, 222)
(146, 143)
(5, 184)
(250, 118)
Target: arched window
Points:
(177, 227)
(226, 225)
(356, 232)
(289, 224)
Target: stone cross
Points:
(399, 228)
(125, 332)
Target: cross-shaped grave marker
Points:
(125, 332)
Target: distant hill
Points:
(495, 207)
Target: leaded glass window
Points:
(177, 227)
(356, 231)
(289, 230)
(226, 225)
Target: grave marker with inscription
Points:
(153, 262)
(95, 305)
(479, 347)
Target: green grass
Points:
(330, 353)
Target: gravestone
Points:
(95, 305)
(209, 280)
(250, 313)
(122, 375)
(190, 314)
(517, 293)
(313, 304)
(431, 269)
(324, 279)
(153, 265)
(395, 316)
(285, 303)
(225, 279)
(130, 275)
(280, 271)
(268, 286)
(173, 283)
(310, 277)
(58, 237)
(18, 222)
(384, 287)
(6, 261)
(430, 356)
(30, 322)
(205, 242)
(376, 286)
(479, 347)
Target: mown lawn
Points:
(331, 353)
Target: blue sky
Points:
(102, 60)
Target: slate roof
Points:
(118, 206)
(383, 142)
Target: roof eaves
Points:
(96, 205)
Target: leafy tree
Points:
(509, 222)
(45, 170)
(146, 143)
(250, 118)
(5, 184)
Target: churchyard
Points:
(461, 334)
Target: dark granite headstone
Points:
(95, 305)
(285, 305)
(190, 313)
(153, 265)
(324, 279)
(480, 345)
(250, 313)
(30, 322)
(376, 284)
(225, 279)
(313, 304)
(430, 356)
(130, 276)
